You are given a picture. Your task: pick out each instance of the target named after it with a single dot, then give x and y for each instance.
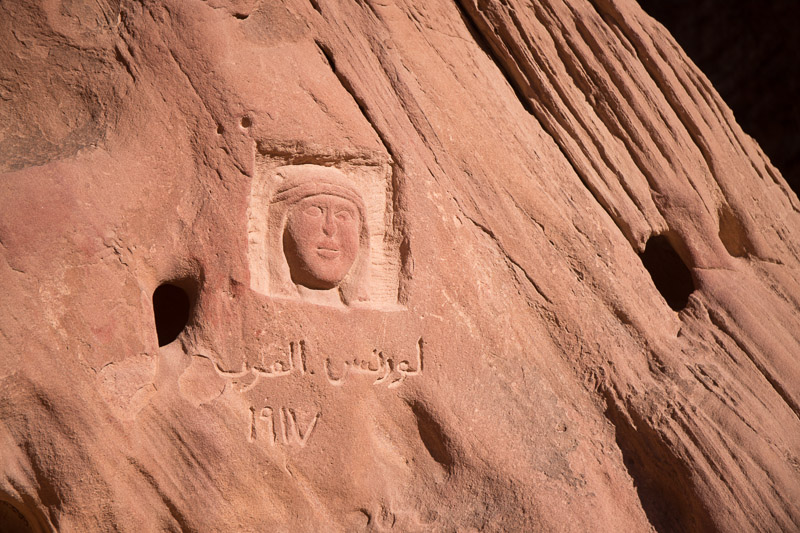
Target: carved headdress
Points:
(295, 183)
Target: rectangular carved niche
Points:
(321, 228)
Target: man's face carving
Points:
(321, 240)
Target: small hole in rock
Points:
(12, 520)
(171, 308)
(220, 129)
(671, 276)
(241, 16)
(246, 122)
(732, 233)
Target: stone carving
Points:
(325, 234)
(321, 234)
(282, 426)
(385, 368)
(322, 240)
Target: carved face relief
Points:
(321, 240)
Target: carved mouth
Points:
(328, 253)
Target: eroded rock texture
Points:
(430, 266)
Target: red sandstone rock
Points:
(495, 358)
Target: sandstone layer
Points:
(568, 302)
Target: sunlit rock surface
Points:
(550, 285)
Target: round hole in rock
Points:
(171, 309)
(12, 520)
(246, 122)
(671, 276)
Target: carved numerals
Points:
(281, 426)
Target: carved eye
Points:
(313, 211)
(344, 215)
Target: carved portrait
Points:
(322, 234)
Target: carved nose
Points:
(329, 226)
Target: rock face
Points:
(363, 266)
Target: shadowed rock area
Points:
(748, 49)
(367, 266)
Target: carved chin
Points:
(328, 273)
